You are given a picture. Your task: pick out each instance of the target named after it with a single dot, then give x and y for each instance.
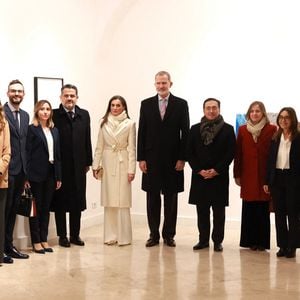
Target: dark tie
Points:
(17, 119)
(71, 114)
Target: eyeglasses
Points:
(16, 91)
(285, 118)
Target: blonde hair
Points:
(37, 107)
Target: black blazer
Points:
(161, 143)
(17, 140)
(294, 161)
(38, 154)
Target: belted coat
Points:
(116, 153)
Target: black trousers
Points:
(74, 223)
(43, 193)
(3, 193)
(203, 213)
(255, 225)
(154, 213)
(14, 191)
(287, 211)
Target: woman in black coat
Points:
(283, 178)
(43, 171)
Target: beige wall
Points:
(235, 50)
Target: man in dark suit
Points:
(210, 151)
(18, 121)
(162, 135)
(73, 124)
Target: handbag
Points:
(27, 207)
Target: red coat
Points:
(250, 163)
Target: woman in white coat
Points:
(114, 163)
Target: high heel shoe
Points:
(39, 251)
(47, 248)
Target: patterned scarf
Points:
(210, 128)
(255, 129)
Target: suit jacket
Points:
(250, 162)
(294, 161)
(161, 143)
(4, 155)
(217, 155)
(76, 156)
(17, 140)
(37, 154)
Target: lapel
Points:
(170, 107)
(114, 134)
(40, 132)
(10, 116)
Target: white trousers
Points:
(117, 226)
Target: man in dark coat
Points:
(210, 151)
(162, 136)
(73, 124)
(18, 120)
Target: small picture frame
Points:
(48, 88)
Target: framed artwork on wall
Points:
(48, 88)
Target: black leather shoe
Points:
(7, 259)
(170, 242)
(64, 242)
(48, 249)
(200, 246)
(77, 241)
(218, 247)
(151, 243)
(15, 253)
(39, 251)
(290, 253)
(281, 252)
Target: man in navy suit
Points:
(162, 136)
(18, 121)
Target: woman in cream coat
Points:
(4, 161)
(114, 163)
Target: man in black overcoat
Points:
(210, 151)
(162, 136)
(73, 124)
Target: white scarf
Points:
(255, 129)
(114, 121)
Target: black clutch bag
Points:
(26, 206)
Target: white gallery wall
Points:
(235, 50)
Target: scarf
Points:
(255, 129)
(210, 128)
(114, 121)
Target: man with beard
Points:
(73, 124)
(162, 135)
(18, 120)
(210, 150)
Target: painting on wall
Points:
(48, 88)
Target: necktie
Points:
(17, 119)
(163, 108)
(71, 114)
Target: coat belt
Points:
(116, 148)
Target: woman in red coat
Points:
(250, 164)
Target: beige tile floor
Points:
(97, 271)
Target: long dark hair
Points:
(116, 97)
(294, 123)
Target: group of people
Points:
(54, 153)
(51, 157)
(266, 167)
